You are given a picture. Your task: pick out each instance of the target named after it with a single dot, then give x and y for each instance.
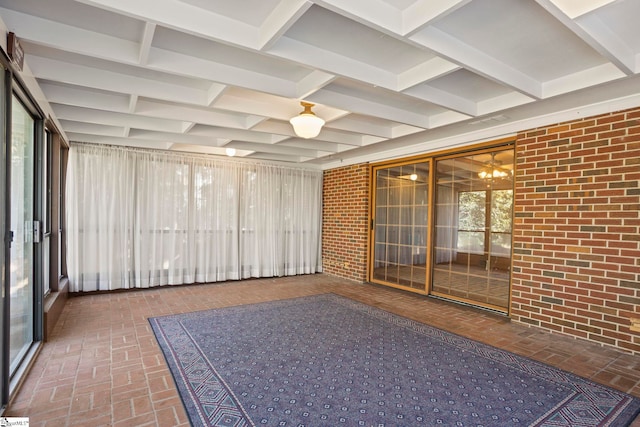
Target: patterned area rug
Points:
(330, 361)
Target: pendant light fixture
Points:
(493, 170)
(307, 124)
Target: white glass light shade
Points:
(307, 124)
(230, 151)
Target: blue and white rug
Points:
(327, 360)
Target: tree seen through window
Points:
(472, 222)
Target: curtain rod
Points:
(200, 156)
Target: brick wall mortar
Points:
(576, 228)
(345, 222)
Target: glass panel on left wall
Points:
(22, 219)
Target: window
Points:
(501, 219)
(472, 220)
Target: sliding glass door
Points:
(21, 267)
(472, 233)
(442, 226)
(25, 171)
(400, 232)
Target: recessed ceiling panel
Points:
(401, 4)
(252, 12)
(79, 15)
(468, 85)
(92, 128)
(383, 97)
(68, 94)
(328, 31)
(621, 18)
(522, 35)
(113, 67)
(209, 50)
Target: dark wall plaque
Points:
(16, 53)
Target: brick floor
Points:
(103, 367)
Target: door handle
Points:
(37, 237)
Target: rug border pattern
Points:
(197, 375)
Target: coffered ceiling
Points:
(389, 77)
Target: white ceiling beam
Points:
(328, 133)
(190, 66)
(254, 120)
(370, 108)
(400, 130)
(596, 34)
(582, 79)
(80, 75)
(118, 103)
(377, 12)
(89, 43)
(190, 113)
(266, 106)
(133, 100)
(502, 102)
(82, 97)
(333, 63)
(277, 157)
(443, 99)
(318, 144)
(479, 62)
(145, 43)
(181, 138)
(32, 85)
(187, 126)
(424, 12)
(216, 151)
(429, 70)
(72, 39)
(281, 18)
(312, 82)
(335, 135)
(215, 91)
(111, 140)
(275, 127)
(606, 42)
(92, 128)
(574, 8)
(234, 134)
(381, 129)
(49, 33)
(446, 118)
(254, 107)
(110, 118)
(275, 148)
(184, 17)
(375, 132)
(383, 16)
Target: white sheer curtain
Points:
(446, 236)
(142, 218)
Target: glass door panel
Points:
(472, 232)
(400, 230)
(21, 253)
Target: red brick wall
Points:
(576, 265)
(345, 222)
